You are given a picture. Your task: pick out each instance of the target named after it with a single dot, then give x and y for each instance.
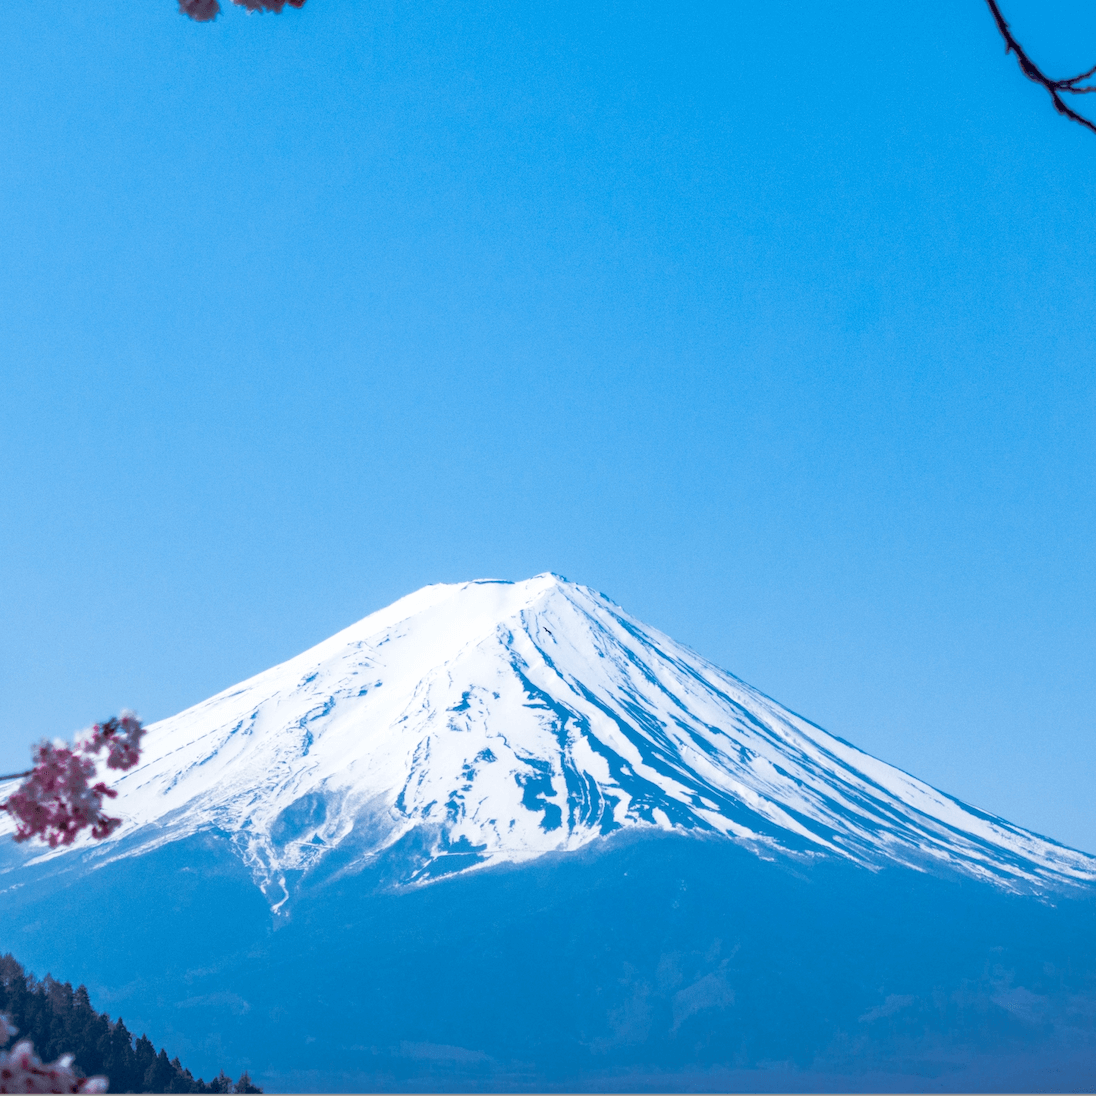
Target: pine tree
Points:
(183, 1081)
(144, 1058)
(159, 1076)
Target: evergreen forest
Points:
(60, 1020)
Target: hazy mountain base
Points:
(644, 963)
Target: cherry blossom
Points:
(57, 799)
(121, 736)
(203, 11)
(21, 1070)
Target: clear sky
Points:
(773, 321)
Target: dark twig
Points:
(15, 776)
(1074, 85)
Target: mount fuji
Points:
(505, 835)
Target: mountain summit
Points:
(494, 721)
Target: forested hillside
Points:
(60, 1020)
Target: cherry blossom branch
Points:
(1073, 85)
(57, 799)
(204, 11)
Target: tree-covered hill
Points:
(60, 1020)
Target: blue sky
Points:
(775, 322)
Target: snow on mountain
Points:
(506, 720)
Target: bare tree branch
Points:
(1074, 85)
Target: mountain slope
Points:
(488, 722)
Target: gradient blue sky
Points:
(775, 322)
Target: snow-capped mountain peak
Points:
(501, 721)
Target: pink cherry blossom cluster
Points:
(204, 10)
(57, 800)
(121, 736)
(22, 1071)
